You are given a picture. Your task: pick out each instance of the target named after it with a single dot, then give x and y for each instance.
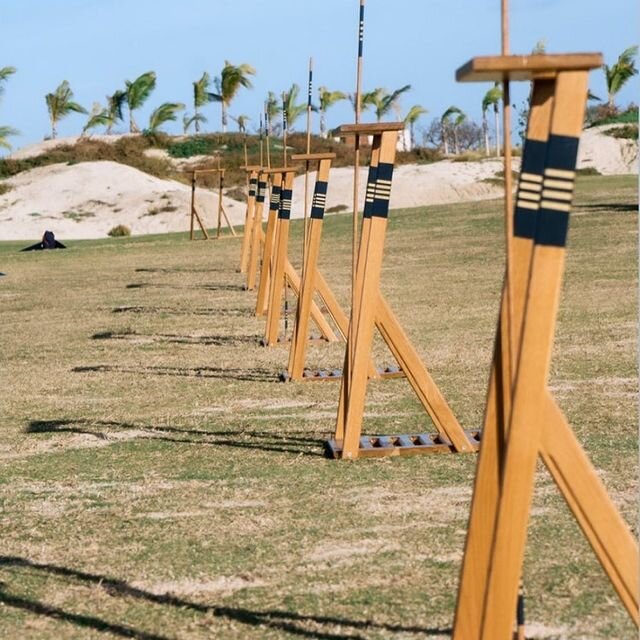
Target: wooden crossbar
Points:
(371, 311)
(522, 420)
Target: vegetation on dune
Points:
(166, 112)
(60, 104)
(326, 100)
(414, 113)
(492, 98)
(450, 121)
(619, 73)
(201, 97)
(292, 109)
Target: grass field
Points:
(157, 482)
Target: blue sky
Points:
(97, 44)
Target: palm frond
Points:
(492, 97)
(100, 117)
(414, 113)
(5, 132)
(138, 90)
(166, 112)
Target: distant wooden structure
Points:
(522, 419)
(251, 172)
(195, 215)
(371, 311)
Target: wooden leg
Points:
(248, 224)
(269, 245)
(256, 239)
(524, 436)
(474, 575)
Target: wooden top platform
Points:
(498, 68)
(371, 128)
(251, 167)
(313, 156)
(279, 170)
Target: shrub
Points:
(627, 131)
(119, 231)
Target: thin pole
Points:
(284, 129)
(356, 168)
(246, 162)
(508, 188)
(306, 169)
(267, 124)
(261, 142)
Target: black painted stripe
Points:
(524, 223)
(275, 198)
(361, 31)
(371, 190)
(262, 188)
(317, 211)
(552, 228)
(533, 156)
(284, 213)
(380, 207)
(563, 152)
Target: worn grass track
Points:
(156, 481)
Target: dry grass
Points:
(158, 482)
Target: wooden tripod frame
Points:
(221, 210)
(276, 179)
(372, 311)
(195, 216)
(522, 420)
(257, 233)
(283, 273)
(252, 183)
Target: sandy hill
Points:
(87, 199)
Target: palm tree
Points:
(201, 96)
(115, 108)
(231, 79)
(188, 120)
(137, 93)
(5, 132)
(619, 73)
(166, 112)
(60, 104)
(327, 99)
(5, 72)
(383, 101)
(366, 100)
(491, 99)
(293, 110)
(241, 122)
(99, 117)
(272, 107)
(451, 119)
(411, 118)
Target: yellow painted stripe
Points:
(557, 195)
(523, 204)
(529, 196)
(533, 177)
(560, 173)
(567, 185)
(529, 186)
(555, 206)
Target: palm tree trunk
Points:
(196, 121)
(445, 140)
(133, 127)
(497, 122)
(54, 131)
(485, 130)
(224, 117)
(323, 132)
(455, 140)
(412, 138)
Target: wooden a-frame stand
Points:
(282, 272)
(257, 233)
(522, 419)
(221, 210)
(252, 183)
(372, 311)
(313, 282)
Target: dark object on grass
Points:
(48, 242)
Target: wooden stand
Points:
(257, 233)
(283, 273)
(314, 283)
(221, 211)
(252, 183)
(372, 311)
(195, 216)
(522, 420)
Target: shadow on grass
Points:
(296, 442)
(198, 311)
(287, 621)
(249, 375)
(182, 270)
(611, 207)
(215, 341)
(200, 287)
